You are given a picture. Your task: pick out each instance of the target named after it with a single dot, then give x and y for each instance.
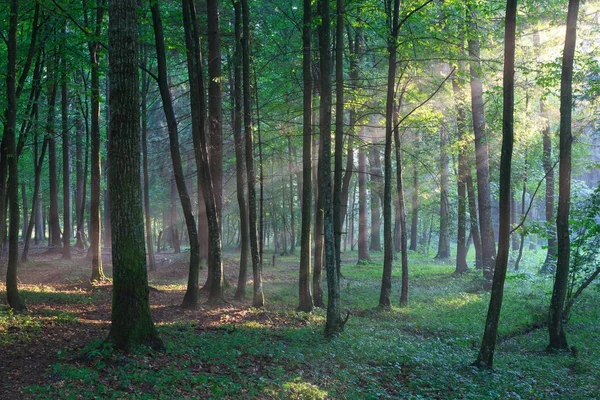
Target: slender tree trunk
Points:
(79, 202)
(304, 288)
(292, 208)
(146, 175)
(190, 299)
(473, 219)
(550, 261)
(463, 171)
(488, 241)
(401, 212)
(414, 222)
(334, 323)
(173, 220)
(376, 195)
(215, 125)
(388, 246)
(131, 322)
(240, 293)
(319, 233)
(557, 337)
(339, 135)
(95, 191)
(66, 164)
(363, 224)
(255, 248)
(9, 139)
(488, 343)
(55, 239)
(443, 252)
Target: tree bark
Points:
(334, 323)
(96, 173)
(240, 293)
(55, 238)
(557, 337)
(363, 224)
(488, 343)
(463, 171)
(258, 298)
(12, 293)
(144, 131)
(305, 302)
(443, 252)
(390, 127)
(66, 161)
(339, 135)
(488, 241)
(190, 299)
(414, 222)
(376, 195)
(131, 322)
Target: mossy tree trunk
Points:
(131, 322)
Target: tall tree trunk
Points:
(240, 293)
(190, 298)
(79, 197)
(55, 239)
(258, 298)
(319, 233)
(292, 208)
(304, 288)
(66, 164)
(95, 191)
(414, 222)
(363, 224)
(12, 292)
(215, 124)
(463, 172)
(474, 219)
(131, 322)
(376, 195)
(173, 220)
(146, 175)
(488, 343)
(338, 219)
(39, 162)
(390, 128)
(334, 323)
(401, 212)
(488, 241)
(550, 261)
(443, 252)
(557, 337)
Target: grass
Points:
(422, 351)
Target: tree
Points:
(334, 323)
(240, 171)
(96, 172)
(557, 337)
(305, 295)
(488, 343)
(66, 242)
(486, 229)
(190, 298)
(258, 298)
(12, 292)
(198, 106)
(388, 246)
(339, 134)
(131, 322)
(144, 131)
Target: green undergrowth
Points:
(420, 351)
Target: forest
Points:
(277, 199)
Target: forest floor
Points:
(424, 350)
